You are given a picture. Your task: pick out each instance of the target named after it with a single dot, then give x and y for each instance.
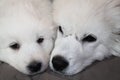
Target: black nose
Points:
(59, 63)
(34, 66)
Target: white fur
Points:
(79, 17)
(24, 21)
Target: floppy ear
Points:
(59, 32)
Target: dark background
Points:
(108, 69)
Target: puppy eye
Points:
(40, 40)
(60, 29)
(15, 46)
(89, 38)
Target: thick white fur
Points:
(24, 21)
(79, 17)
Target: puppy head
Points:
(82, 36)
(26, 36)
(72, 53)
(27, 51)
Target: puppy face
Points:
(26, 36)
(83, 35)
(27, 51)
(73, 53)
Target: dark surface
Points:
(108, 69)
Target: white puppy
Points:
(26, 34)
(88, 31)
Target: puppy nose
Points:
(34, 66)
(59, 63)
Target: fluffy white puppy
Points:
(26, 34)
(88, 31)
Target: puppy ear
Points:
(60, 32)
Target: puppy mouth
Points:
(64, 72)
(59, 72)
(35, 67)
(35, 73)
